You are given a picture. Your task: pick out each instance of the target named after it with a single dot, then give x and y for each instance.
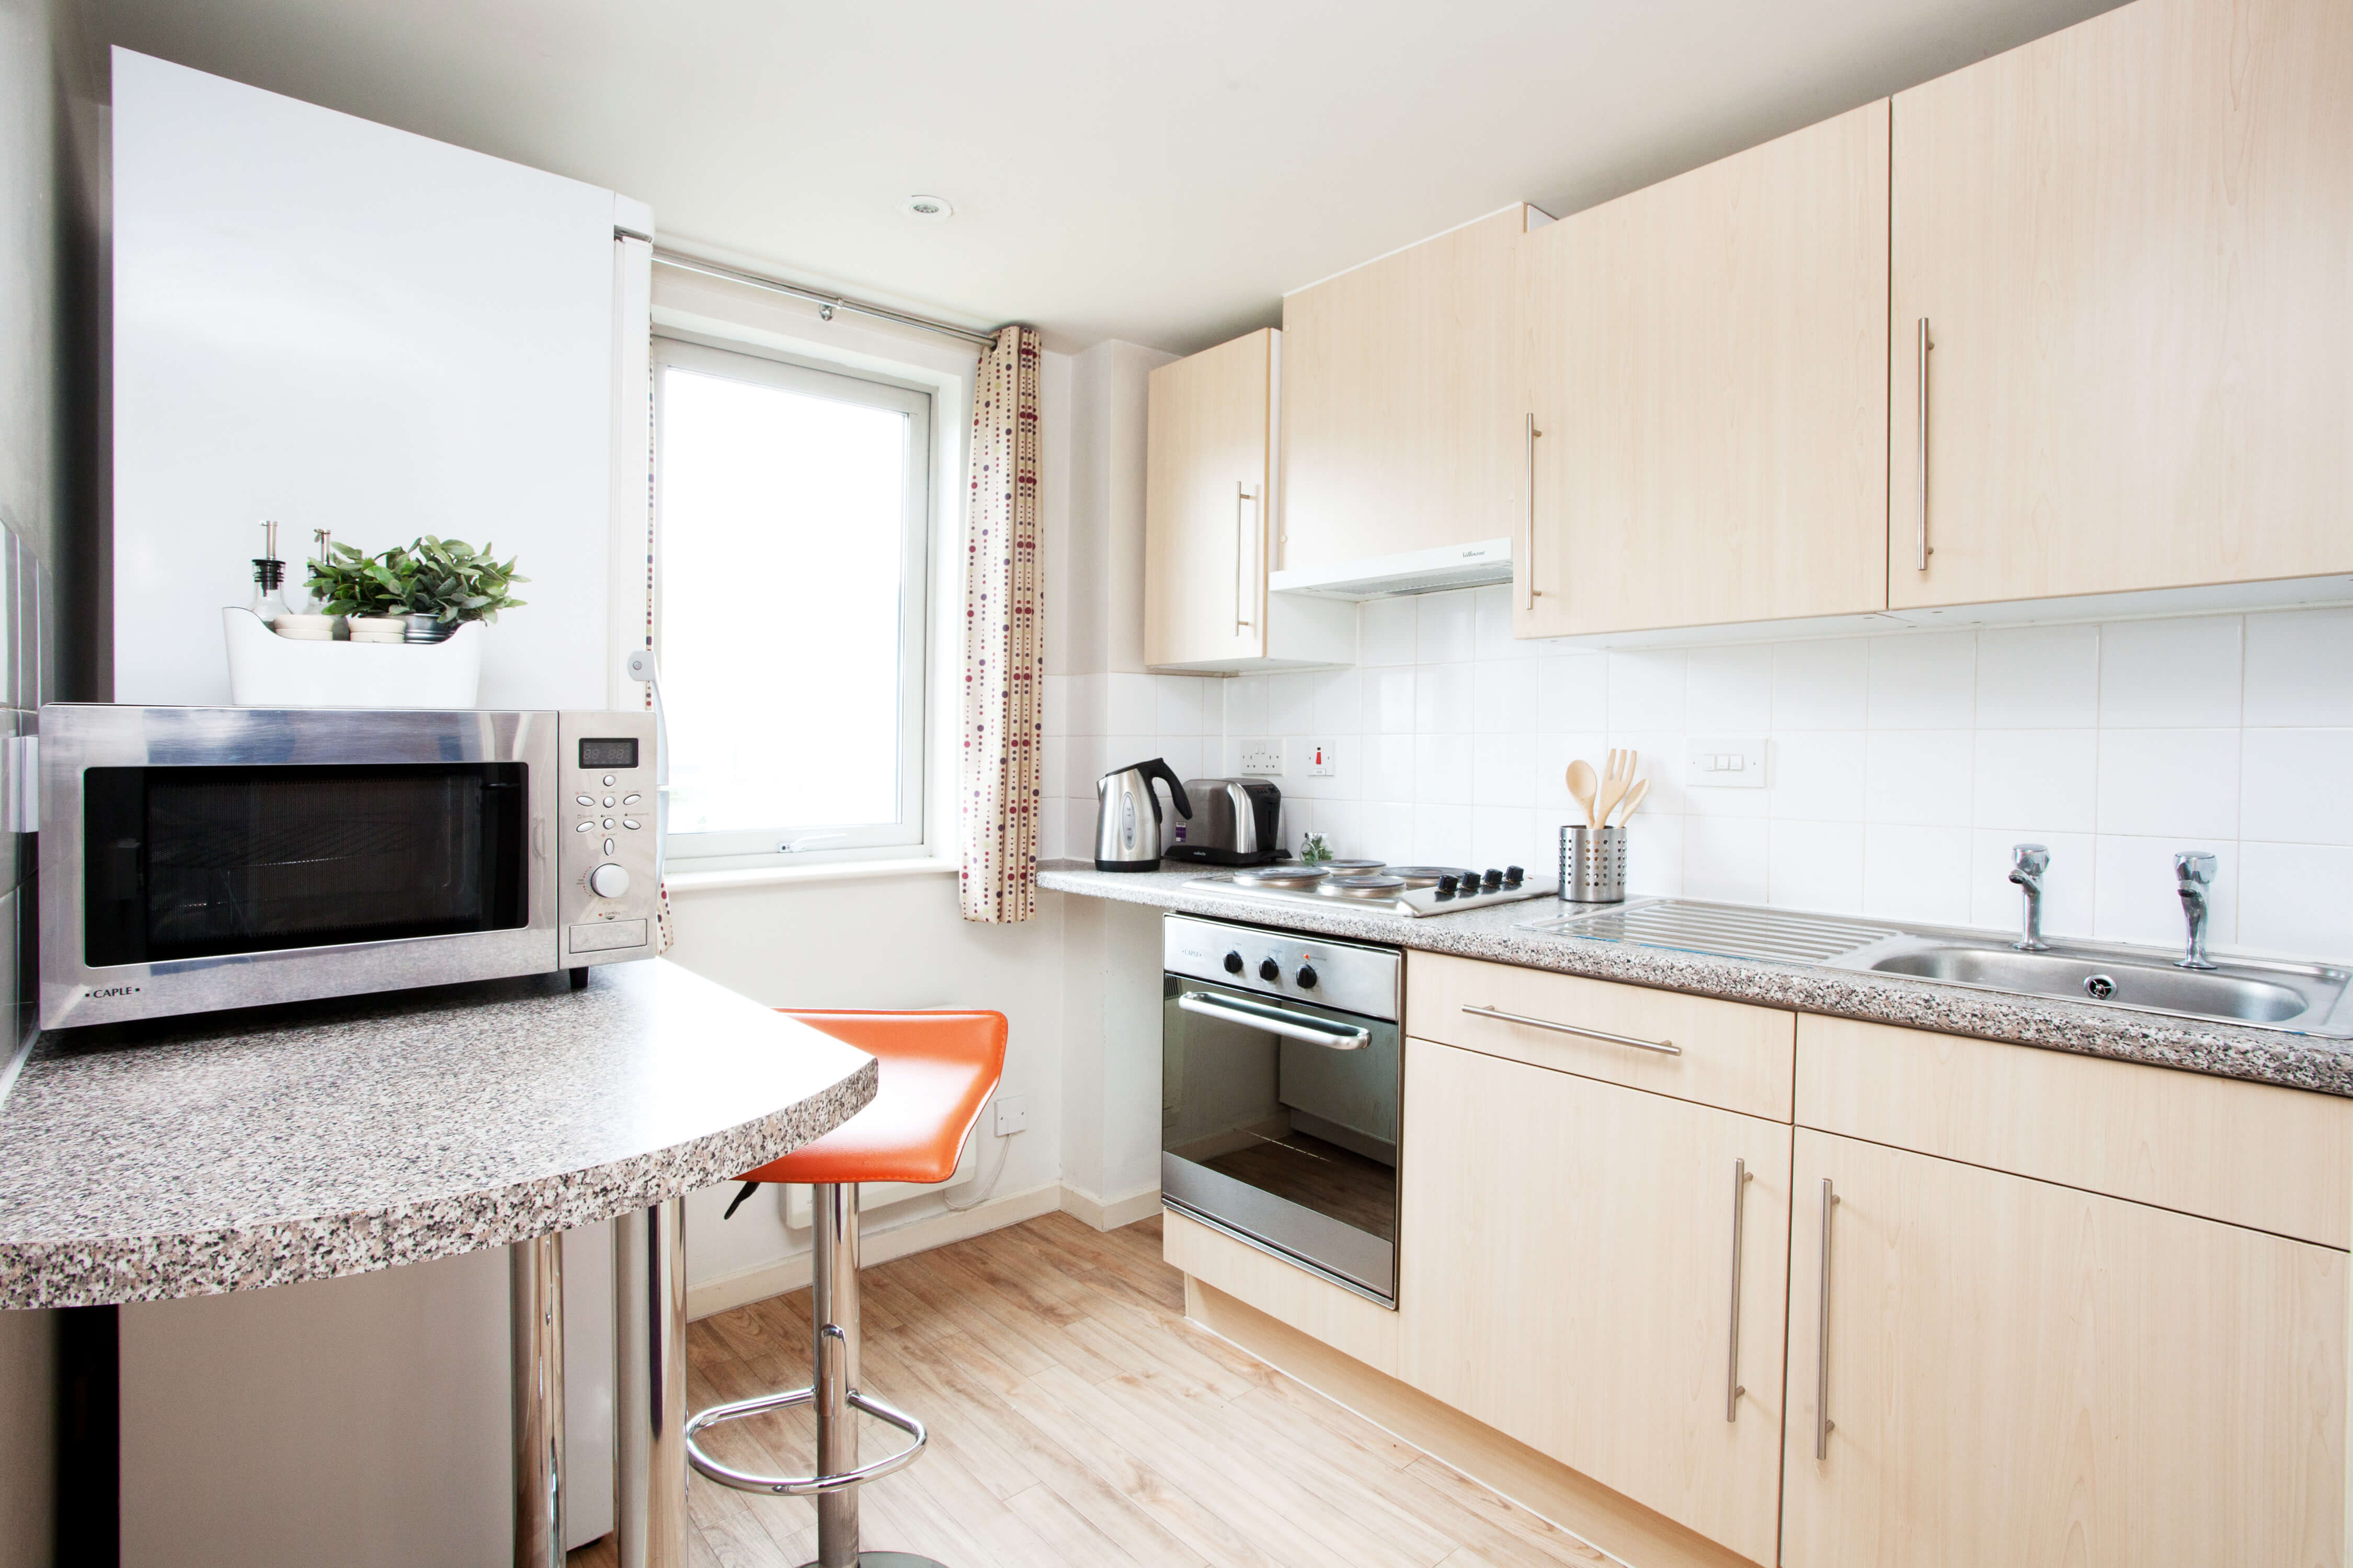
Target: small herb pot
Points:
(428, 628)
(378, 628)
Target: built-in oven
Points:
(197, 859)
(1282, 1077)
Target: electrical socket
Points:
(1012, 1114)
(1262, 758)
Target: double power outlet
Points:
(1277, 759)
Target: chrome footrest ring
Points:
(800, 1486)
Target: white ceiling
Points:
(1156, 172)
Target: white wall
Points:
(340, 325)
(1903, 767)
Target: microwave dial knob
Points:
(1233, 964)
(1269, 969)
(1307, 977)
(608, 882)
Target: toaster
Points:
(1233, 821)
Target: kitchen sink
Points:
(2307, 998)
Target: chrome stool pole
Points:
(833, 1310)
(535, 1339)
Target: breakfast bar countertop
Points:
(235, 1151)
(1494, 934)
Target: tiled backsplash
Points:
(1901, 768)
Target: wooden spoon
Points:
(1582, 786)
(1615, 783)
(1633, 801)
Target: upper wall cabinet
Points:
(2129, 248)
(1707, 372)
(1401, 411)
(1208, 505)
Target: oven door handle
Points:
(1276, 1021)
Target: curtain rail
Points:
(827, 304)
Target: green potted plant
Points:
(418, 593)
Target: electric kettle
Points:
(1125, 839)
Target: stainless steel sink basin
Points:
(2305, 997)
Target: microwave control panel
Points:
(607, 828)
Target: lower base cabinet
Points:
(2019, 1373)
(1569, 1252)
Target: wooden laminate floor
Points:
(1078, 1420)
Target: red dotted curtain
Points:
(1004, 646)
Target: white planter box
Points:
(266, 670)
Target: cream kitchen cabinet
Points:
(1707, 380)
(1993, 1369)
(1599, 1272)
(1208, 504)
(1402, 412)
(2129, 250)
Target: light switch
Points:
(1718, 762)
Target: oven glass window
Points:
(199, 862)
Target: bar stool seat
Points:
(936, 1070)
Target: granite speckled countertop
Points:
(235, 1151)
(2265, 1055)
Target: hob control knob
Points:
(1233, 964)
(1513, 875)
(1307, 977)
(1446, 886)
(608, 882)
(1492, 880)
(1269, 969)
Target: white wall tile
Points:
(2182, 782)
(1917, 873)
(2170, 673)
(1444, 630)
(1442, 835)
(1654, 854)
(2135, 899)
(1442, 769)
(2293, 899)
(1816, 775)
(1445, 699)
(1923, 681)
(1492, 626)
(2038, 678)
(1086, 696)
(1387, 697)
(1186, 755)
(1646, 689)
(2300, 667)
(1918, 776)
(1384, 831)
(1339, 705)
(1553, 754)
(1822, 685)
(1054, 698)
(1658, 756)
(1053, 813)
(1500, 836)
(1505, 697)
(1085, 762)
(1389, 766)
(1503, 769)
(1291, 703)
(2067, 887)
(1725, 859)
(1815, 866)
(1573, 691)
(1131, 705)
(1180, 701)
(2296, 787)
(1247, 710)
(1730, 689)
(1385, 631)
(2046, 776)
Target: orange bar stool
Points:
(936, 1072)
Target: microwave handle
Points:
(1275, 1020)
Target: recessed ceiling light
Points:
(931, 209)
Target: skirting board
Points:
(1110, 1214)
(786, 1275)
(1616, 1524)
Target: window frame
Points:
(827, 842)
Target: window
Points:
(792, 513)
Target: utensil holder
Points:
(1593, 865)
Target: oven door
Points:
(1280, 1126)
(223, 858)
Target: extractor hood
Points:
(1414, 572)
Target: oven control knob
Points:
(1233, 964)
(608, 882)
(1307, 977)
(1269, 969)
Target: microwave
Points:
(198, 859)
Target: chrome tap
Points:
(2028, 862)
(2193, 873)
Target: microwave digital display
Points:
(598, 752)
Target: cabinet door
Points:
(2132, 243)
(1205, 502)
(2021, 1373)
(1401, 402)
(1568, 1256)
(1708, 371)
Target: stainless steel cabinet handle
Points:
(1664, 1048)
(1241, 560)
(1527, 570)
(1823, 1422)
(1732, 1388)
(1923, 414)
(1275, 1020)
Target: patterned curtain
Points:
(1004, 653)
